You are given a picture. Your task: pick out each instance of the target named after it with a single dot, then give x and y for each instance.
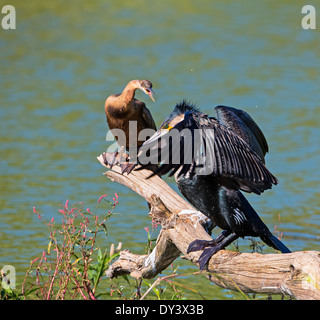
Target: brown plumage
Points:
(122, 108)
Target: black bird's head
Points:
(178, 113)
(175, 117)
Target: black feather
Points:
(227, 155)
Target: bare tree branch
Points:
(295, 274)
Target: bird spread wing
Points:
(201, 145)
(240, 122)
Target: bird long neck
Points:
(128, 93)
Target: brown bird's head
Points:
(146, 87)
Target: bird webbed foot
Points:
(198, 244)
(127, 167)
(207, 254)
(115, 158)
(211, 247)
(111, 158)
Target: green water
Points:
(63, 60)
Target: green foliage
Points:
(6, 293)
(72, 266)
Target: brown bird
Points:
(122, 108)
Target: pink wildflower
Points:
(33, 261)
(101, 197)
(44, 256)
(35, 211)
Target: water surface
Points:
(63, 60)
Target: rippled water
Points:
(63, 60)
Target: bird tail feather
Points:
(275, 243)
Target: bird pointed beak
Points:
(150, 93)
(156, 136)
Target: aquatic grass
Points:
(72, 266)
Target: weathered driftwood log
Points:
(296, 274)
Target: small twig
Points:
(79, 288)
(59, 257)
(170, 277)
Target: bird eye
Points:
(166, 126)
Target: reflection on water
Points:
(63, 60)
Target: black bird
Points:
(217, 159)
